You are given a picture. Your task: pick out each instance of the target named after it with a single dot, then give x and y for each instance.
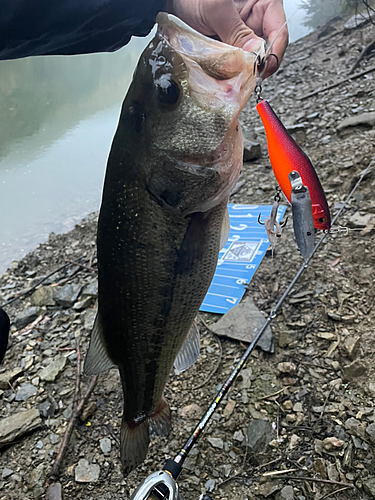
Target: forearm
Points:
(40, 27)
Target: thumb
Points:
(226, 21)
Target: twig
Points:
(333, 85)
(334, 492)
(88, 268)
(325, 402)
(365, 50)
(317, 480)
(277, 472)
(218, 359)
(29, 290)
(274, 394)
(70, 427)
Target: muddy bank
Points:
(308, 408)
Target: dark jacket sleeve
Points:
(41, 27)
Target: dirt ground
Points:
(310, 403)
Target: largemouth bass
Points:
(175, 158)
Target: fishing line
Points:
(162, 484)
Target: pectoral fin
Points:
(97, 359)
(189, 352)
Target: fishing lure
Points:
(271, 225)
(303, 222)
(286, 156)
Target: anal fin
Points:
(97, 359)
(189, 352)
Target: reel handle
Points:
(162, 478)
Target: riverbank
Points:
(307, 409)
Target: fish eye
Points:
(168, 91)
(322, 219)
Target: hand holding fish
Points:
(238, 22)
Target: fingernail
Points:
(252, 44)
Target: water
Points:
(58, 117)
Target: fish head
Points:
(187, 93)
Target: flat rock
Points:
(86, 473)
(287, 493)
(90, 290)
(51, 372)
(14, 426)
(43, 296)
(89, 318)
(54, 492)
(6, 473)
(7, 378)
(242, 323)
(369, 487)
(216, 442)
(351, 346)
(353, 370)
(105, 445)
(370, 432)
(259, 434)
(25, 392)
(251, 150)
(364, 119)
(26, 317)
(360, 221)
(67, 295)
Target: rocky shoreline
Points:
(306, 410)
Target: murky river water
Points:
(57, 119)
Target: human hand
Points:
(238, 23)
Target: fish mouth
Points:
(219, 74)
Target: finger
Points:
(274, 30)
(281, 40)
(226, 21)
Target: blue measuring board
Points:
(240, 258)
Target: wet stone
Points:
(25, 392)
(67, 295)
(86, 472)
(26, 317)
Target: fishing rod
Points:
(163, 485)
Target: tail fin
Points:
(135, 437)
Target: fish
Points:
(4, 333)
(286, 156)
(175, 158)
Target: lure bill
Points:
(303, 222)
(286, 156)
